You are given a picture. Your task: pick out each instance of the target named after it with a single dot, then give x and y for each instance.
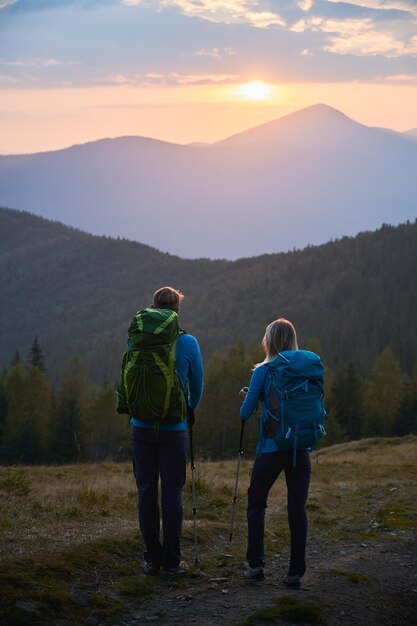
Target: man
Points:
(159, 442)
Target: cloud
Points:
(314, 24)
(4, 78)
(119, 79)
(32, 6)
(263, 19)
(37, 63)
(21, 81)
(358, 37)
(222, 11)
(215, 53)
(314, 40)
(305, 5)
(371, 43)
(383, 5)
(257, 13)
(400, 79)
(170, 78)
(201, 79)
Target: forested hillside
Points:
(68, 298)
(77, 293)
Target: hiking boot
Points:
(172, 572)
(149, 569)
(292, 582)
(254, 574)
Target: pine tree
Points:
(69, 424)
(3, 406)
(14, 390)
(209, 418)
(37, 415)
(406, 415)
(36, 356)
(335, 432)
(107, 434)
(67, 433)
(218, 417)
(314, 345)
(383, 395)
(26, 425)
(346, 401)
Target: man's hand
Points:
(190, 416)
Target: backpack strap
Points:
(294, 456)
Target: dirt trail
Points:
(385, 596)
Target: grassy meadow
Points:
(70, 547)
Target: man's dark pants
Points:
(266, 470)
(160, 454)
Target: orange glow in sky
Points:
(71, 75)
(45, 119)
(255, 90)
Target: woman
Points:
(270, 461)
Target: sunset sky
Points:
(72, 71)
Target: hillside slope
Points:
(78, 293)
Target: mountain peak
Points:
(320, 110)
(320, 107)
(318, 126)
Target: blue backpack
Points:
(296, 416)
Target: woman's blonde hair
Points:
(279, 335)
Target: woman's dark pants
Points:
(160, 454)
(266, 470)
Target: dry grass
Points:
(56, 507)
(378, 451)
(65, 506)
(86, 515)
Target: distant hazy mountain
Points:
(411, 133)
(306, 178)
(321, 127)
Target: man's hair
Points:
(167, 298)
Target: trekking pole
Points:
(191, 420)
(239, 456)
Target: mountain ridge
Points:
(214, 201)
(319, 109)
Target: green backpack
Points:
(149, 387)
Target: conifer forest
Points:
(69, 298)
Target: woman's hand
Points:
(243, 392)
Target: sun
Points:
(255, 90)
